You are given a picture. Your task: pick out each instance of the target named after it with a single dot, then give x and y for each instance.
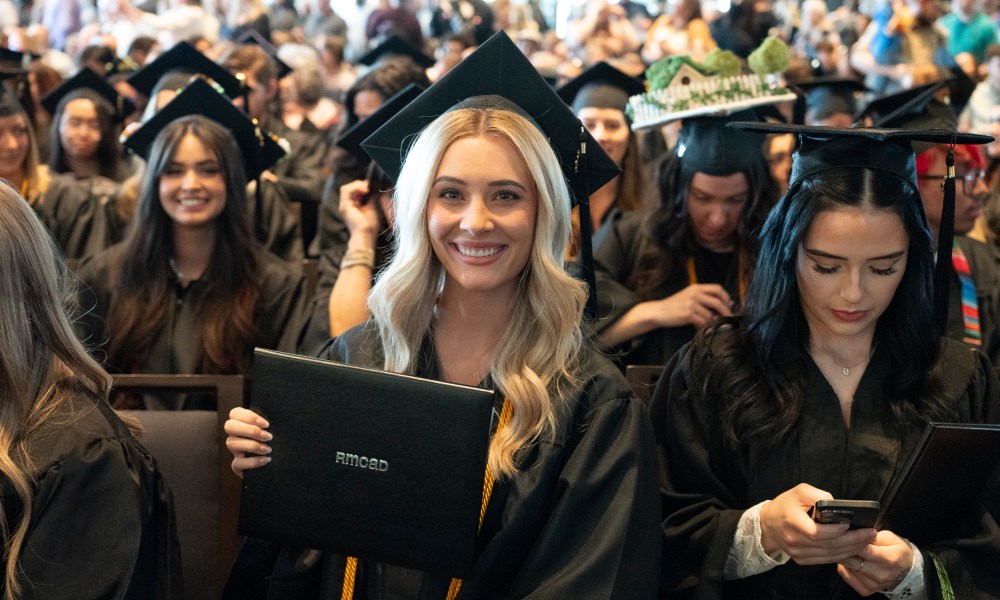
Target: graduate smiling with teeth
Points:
(481, 214)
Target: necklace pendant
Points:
(846, 371)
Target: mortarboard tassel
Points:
(946, 234)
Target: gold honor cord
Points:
(351, 568)
(693, 276)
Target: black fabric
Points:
(395, 46)
(615, 260)
(706, 485)
(600, 86)
(87, 79)
(185, 58)
(82, 216)
(576, 521)
(831, 95)
(177, 348)
(706, 145)
(102, 519)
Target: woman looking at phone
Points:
(821, 390)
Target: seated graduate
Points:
(275, 223)
(662, 275)
(974, 301)
(189, 290)
(87, 117)
(821, 389)
(598, 97)
(85, 511)
(476, 293)
(347, 269)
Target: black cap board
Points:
(350, 140)
(185, 58)
(600, 86)
(396, 46)
(889, 151)
(888, 108)
(253, 37)
(826, 96)
(707, 146)
(89, 80)
(260, 149)
(497, 74)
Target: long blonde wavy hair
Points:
(533, 364)
(40, 349)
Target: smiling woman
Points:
(190, 290)
(476, 292)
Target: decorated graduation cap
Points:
(350, 140)
(498, 75)
(86, 79)
(826, 96)
(260, 149)
(889, 151)
(706, 145)
(183, 57)
(680, 88)
(600, 86)
(395, 46)
(254, 38)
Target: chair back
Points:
(190, 449)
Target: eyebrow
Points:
(200, 163)
(820, 253)
(497, 183)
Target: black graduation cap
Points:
(890, 151)
(600, 86)
(350, 140)
(497, 74)
(707, 146)
(89, 80)
(826, 96)
(395, 46)
(9, 104)
(253, 37)
(890, 107)
(11, 57)
(260, 149)
(184, 57)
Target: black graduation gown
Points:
(102, 517)
(617, 257)
(578, 520)
(301, 173)
(278, 229)
(984, 264)
(81, 214)
(706, 486)
(177, 349)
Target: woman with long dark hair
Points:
(189, 290)
(661, 275)
(820, 390)
(84, 135)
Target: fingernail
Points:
(265, 450)
(262, 422)
(267, 436)
(266, 460)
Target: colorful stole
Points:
(970, 305)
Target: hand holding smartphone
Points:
(859, 514)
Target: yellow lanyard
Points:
(351, 568)
(693, 275)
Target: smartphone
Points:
(860, 514)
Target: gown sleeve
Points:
(600, 539)
(698, 526)
(102, 526)
(614, 260)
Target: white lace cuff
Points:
(913, 585)
(746, 556)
